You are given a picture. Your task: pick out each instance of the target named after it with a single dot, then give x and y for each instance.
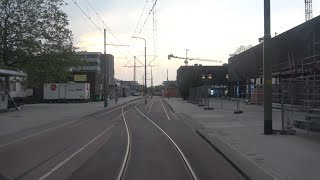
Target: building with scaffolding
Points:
(295, 67)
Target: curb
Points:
(246, 167)
(244, 174)
(249, 169)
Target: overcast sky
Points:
(210, 29)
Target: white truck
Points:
(66, 92)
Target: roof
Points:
(6, 72)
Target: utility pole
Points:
(267, 71)
(145, 71)
(151, 82)
(134, 69)
(167, 75)
(105, 77)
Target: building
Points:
(195, 76)
(295, 58)
(92, 62)
(130, 87)
(17, 89)
(94, 69)
(170, 89)
(96, 82)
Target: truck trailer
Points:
(66, 92)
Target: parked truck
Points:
(66, 92)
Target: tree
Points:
(34, 38)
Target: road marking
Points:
(100, 115)
(175, 145)
(56, 127)
(72, 155)
(165, 110)
(150, 107)
(126, 157)
(38, 133)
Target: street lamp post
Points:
(145, 67)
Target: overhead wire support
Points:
(86, 15)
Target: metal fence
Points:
(292, 99)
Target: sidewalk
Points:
(240, 138)
(34, 115)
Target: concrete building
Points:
(92, 62)
(94, 70)
(295, 67)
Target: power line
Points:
(148, 16)
(86, 15)
(102, 21)
(135, 30)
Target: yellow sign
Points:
(80, 77)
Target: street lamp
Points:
(145, 67)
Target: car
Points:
(136, 94)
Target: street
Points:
(129, 141)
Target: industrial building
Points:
(295, 67)
(198, 75)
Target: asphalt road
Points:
(130, 141)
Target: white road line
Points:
(176, 146)
(72, 155)
(36, 134)
(165, 110)
(125, 160)
(150, 107)
(61, 125)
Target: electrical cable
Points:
(86, 15)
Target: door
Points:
(62, 91)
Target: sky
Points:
(209, 29)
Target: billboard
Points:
(80, 78)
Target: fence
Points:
(292, 99)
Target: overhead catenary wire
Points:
(135, 29)
(87, 15)
(105, 24)
(152, 9)
(148, 16)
